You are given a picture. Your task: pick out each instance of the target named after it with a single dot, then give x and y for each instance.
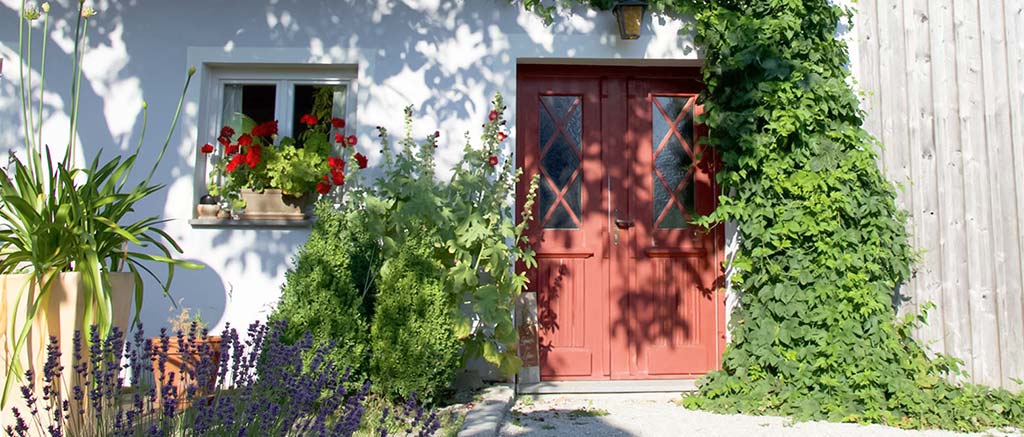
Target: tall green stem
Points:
(42, 76)
(76, 82)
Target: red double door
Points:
(626, 287)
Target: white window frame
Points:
(284, 77)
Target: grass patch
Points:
(588, 412)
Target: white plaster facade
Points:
(447, 58)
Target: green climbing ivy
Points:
(823, 245)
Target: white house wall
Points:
(446, 58)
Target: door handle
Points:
(620, 224)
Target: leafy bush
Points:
(324, 292)
(290, 397)
(478, 239)
(447, 243)
(413, 333)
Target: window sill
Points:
(251, 224)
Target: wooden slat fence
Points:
(944, 91)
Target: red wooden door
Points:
(626, 288)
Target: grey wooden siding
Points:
(944, 91)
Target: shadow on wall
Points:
(205, 298)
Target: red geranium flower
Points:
(360, 159)
(323, 188)
(493, 160)
(224, 141)
(233, 163)
(308, 120)
(351, 140)
(207, 148)
(230, 149)
(265, 129)
(340, 139)
(338, 177)
(501, 136)
(338, 123)
(492, 116)
(336, 163)
(253, 156)
(245, 140)
(227, 132)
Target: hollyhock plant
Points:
(253, 384)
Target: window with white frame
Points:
(266, 93)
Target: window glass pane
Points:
(560, 134)
(672, 131)
(257, 102)
(330, 99)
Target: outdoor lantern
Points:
(630, 16)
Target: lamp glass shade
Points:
(630, 17)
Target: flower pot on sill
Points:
(186, 365)
(60, 315)
(272, 204)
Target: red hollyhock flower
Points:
(227, 132)
(245, 140)
(492, 116)
(493, 161)
(323, 188)
(308, 120)
(351, 140)
(224, 141)
(340, 139)
(253, 156)
(360, 159)
(233, 163)
(336, 163)
(338, 177)
(265, 129)
(338, 123)
(437, 134)
(501, 136)
(207, 148)
(230, 149)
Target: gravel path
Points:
(657, 414)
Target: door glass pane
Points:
(672, 175)
(560, 140)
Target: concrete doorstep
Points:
(488, 416)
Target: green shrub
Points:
(415, 349)
(323, 292)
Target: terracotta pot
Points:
(272, 204)
(60, 315)
(183, 364)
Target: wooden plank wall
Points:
(944, 91)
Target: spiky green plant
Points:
(57, 218)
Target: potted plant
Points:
(185, 358)
(261, 176)
(71, 243)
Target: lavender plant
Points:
(250, 385)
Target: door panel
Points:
(626, 287)
(563, 146)
(673, 304)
